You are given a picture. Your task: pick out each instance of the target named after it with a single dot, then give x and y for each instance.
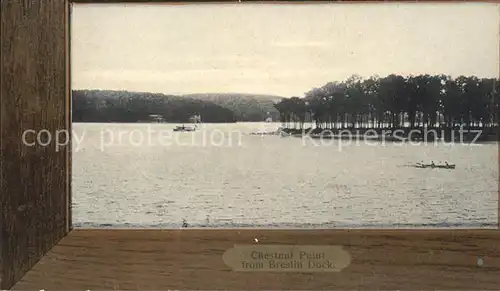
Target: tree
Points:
(424, 100)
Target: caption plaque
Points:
(286, 258)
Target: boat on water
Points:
(285, 134)
(433, 166)
(282, 133)
(194, 119)
(185, 128)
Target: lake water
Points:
(221, 176)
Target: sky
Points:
(276, 49)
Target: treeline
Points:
(246, 107)
(124, 106)
(396, 102)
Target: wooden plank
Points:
(33, 87)
(192, 259)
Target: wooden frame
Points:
(39, 250)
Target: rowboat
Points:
(184, 128)
(422, 166)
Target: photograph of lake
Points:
(319, 115)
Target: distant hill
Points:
(124, 106)
(246, 107)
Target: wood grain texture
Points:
(33, 90)
(192, 259)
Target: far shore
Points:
(405, 134)
(154, 122)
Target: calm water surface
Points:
(221, 176)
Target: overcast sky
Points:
(274, 48)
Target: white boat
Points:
(282, 133)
